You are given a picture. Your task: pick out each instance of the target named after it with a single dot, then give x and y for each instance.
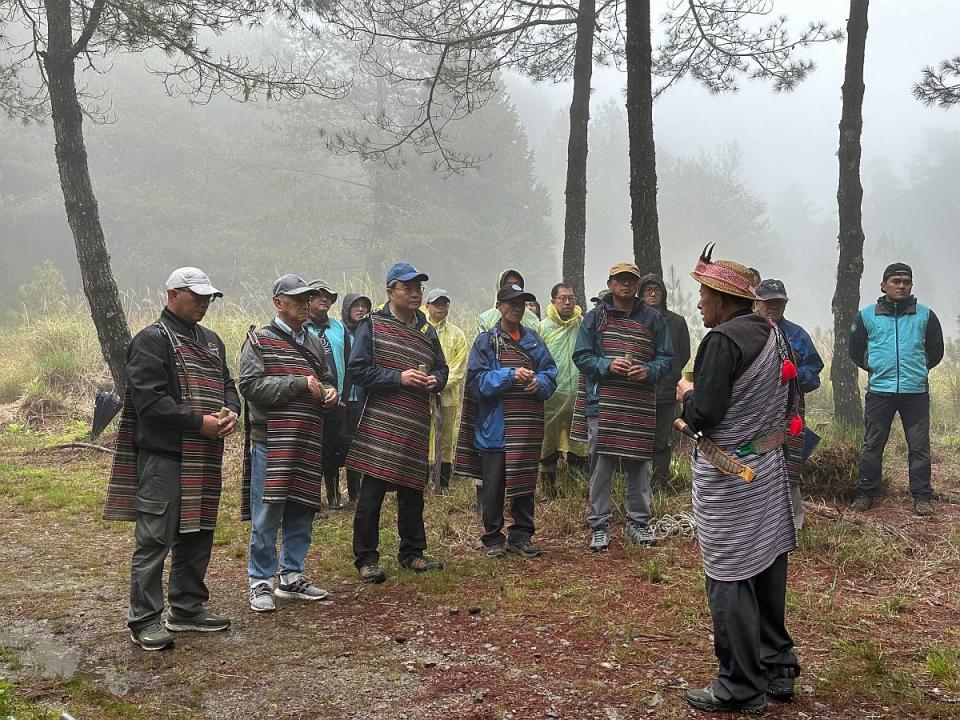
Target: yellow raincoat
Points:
(488, 318)
(455, 350)
(560, 337)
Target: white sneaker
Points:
(261, 598)
(300, 589)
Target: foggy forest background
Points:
(250, 190)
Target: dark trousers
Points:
(750, 639)
(494, 470)
(333, 456)
(157, 533)
(351, 419)
(366, 522)
(662, 439)
(878, 412)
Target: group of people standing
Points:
(396, 394)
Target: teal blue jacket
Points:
(594, 366)
(897, 344)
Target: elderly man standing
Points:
(287, 385)
(335, 339)
(654, 293)
(179, 404)
(559, 332)
(897, 341)
(398, 362)
(772, 305)
(622, 349)
(739, 409)
(454, 344)
(510, 373)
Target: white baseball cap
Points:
(194, 279)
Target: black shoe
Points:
(494, 551)
(781, 686)
(708, 702)
(524, 548)
(337, 504)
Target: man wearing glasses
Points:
(559, 332)
(398, 363)
(897, 341)
(180, 403)
(622, 349)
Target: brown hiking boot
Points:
(862, 503)
(422, 564)
(923, 508)
(372, 574)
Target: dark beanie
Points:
(897, 269)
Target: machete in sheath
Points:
(727, 464)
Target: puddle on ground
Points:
(40, 652)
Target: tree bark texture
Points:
(83, 216)
(643, 157)
(846, 298)
(575, 217)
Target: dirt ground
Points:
(873, 607)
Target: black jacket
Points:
(155, 389)
(679, 338)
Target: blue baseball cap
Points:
(404, 272)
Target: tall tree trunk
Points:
(575, 218)
(643, 157)
(83, 216)
(846, 299)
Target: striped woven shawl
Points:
(469, 461)
(793, 449)
(294, 432)
(628, 409)
(578, 428)
(200, 373)
(523, 424)
(743, 527)
(392, 439)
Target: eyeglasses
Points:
(409, 289)
(652, 291)
(565, 299)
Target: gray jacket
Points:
(265, 392)
(679, 338)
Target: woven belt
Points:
(763, 444)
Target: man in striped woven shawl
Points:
(622, 349)
(179, 404)
(398, 363)
(286, 383)
(742, 400)
(773, 303)
(510, 373)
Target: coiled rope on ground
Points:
(679, 525)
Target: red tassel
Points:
(788, 371)
(796, 424)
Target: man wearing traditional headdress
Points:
(180, 403)
(398, 362)
(739, 408)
